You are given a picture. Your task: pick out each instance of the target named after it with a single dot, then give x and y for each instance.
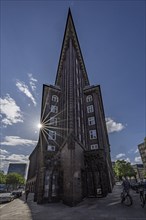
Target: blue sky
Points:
(112, 40)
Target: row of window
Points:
(56, 99)
(52, 147)
(54, 108)
(52, 134)
(91, 121)
(88, 99)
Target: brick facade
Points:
(72, 158)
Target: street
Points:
(108, 208)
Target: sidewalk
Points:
(108, 208)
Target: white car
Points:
(6, 197)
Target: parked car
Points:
(6, 197)
(17, 193)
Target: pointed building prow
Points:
(70, 34)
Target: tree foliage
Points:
(15, 180)
(2, 177)
(123, 168)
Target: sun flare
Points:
(39, 125)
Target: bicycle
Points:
(126, 198)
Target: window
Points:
(94, 146)
(55, 98)
(92, 134)
(52, 135)
(89, 98)
(51, 148)
(91, 121)
(90, 109)
(54, 108)
(53, 121)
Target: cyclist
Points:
(125, 196)
(126, 185)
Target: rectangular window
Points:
(54, 108)
(92, 134)
(51, 148)
(94, 146)
(52, 135)
(91, 121)
(90, 109)
(53, 121)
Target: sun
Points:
(39, 125)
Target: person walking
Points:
(26, 194)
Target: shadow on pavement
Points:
(108, 208)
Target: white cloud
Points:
(31, 77)
(2, 157)
(10, 110)
(113, 126)
(120, 155)
(136, 151)
(32, 82)
(3, 151)
(17, 141)
(138, 160)
(127, 159)
(24, 88)
(16, 158)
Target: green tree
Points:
(2, 177)
(130, 171)
(123, 168)
(14, 180)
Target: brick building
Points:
(72, 158)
